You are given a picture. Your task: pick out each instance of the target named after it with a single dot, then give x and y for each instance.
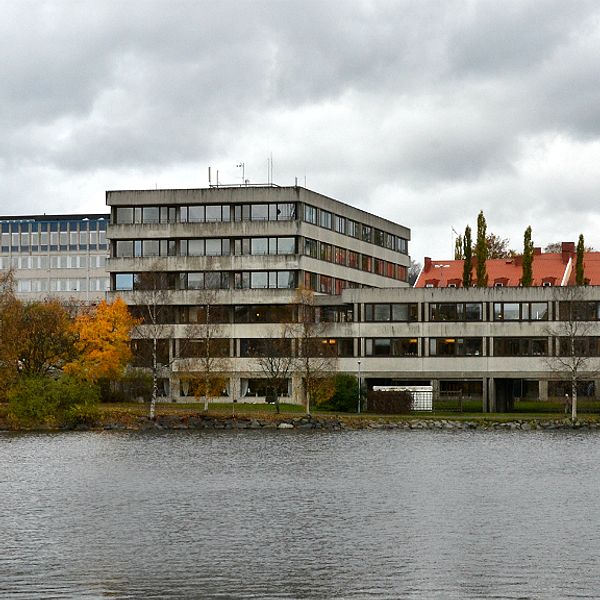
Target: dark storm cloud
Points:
(453, 105)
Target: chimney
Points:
(568, 250)
(426, 263)
(537, 251)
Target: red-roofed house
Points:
(550, 269)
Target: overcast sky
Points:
(421, 112)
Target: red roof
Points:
(548, 269)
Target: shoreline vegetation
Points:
(133, 417)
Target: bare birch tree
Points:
(154, 331)
(316, 354)
(276, 361)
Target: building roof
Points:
(551, 269)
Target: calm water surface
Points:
(290, 515)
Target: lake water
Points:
(283, 514)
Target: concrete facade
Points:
(246, 251)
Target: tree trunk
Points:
(154, 377)
(277, 404)
(574, 399)
(206, 394)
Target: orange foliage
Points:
(103, 342)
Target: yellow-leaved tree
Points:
(103, 342)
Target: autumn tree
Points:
(11, 339)
(481, 251)
(579, 268)
(47, 338)
(468, 258)
(498, 247)
(527, 277)
(102, 341)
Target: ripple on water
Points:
(299, 515)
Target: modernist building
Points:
(62, 256)
(247, 250)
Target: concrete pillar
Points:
(484, 395)
(543, 389)
(174, 388)
(491, 395)
(234, 388)
(297, 395)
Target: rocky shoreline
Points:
(199, 421)
(337, 423)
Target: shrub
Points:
(389, 402)
(345, 395)
(41, 401)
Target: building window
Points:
(505, 346)
(520, 311)
(400, 312)
(259, 212)
(391, 347)
(451, 346)
(325, 219)
(340, 224)
(456, 311)
(310, 214)
(123, 281)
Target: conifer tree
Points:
(579, 272)
(467, 252)
(527, 278)
(481, 251)
(458, 248)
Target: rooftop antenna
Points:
(209, 181)
(243, 167)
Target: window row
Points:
(200, 280)
(366, 233)
(204, 213)
(248, 348)
(326, 284)
(355, 260)
(35, 227)
(244, 313)
(259, 246)
(53, 241)
(63, 261)
(93, 284)
(380, 347)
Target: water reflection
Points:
(290, 515)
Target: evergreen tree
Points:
(527, 278)
(467, 252)
(458, 248)
(579, 273)
(481, 251)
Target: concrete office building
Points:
(62, 256)
(250, 248)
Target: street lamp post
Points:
(359, 386)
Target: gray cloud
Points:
(428, 111)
